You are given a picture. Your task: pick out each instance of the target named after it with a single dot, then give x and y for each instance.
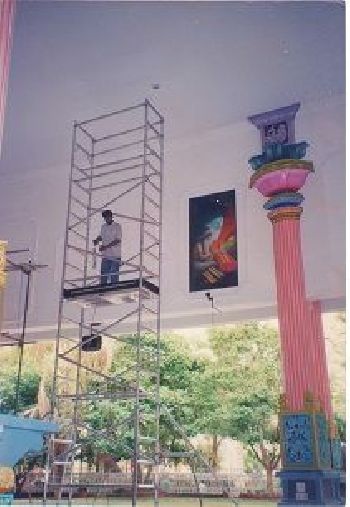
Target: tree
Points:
(28, 390)
(211, 405)
(177, 373)
(239, 393)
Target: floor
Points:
(164, 502)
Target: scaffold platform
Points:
(124, 291)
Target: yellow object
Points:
(3, 245)
(7, 479)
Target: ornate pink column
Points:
(7, 12)
(279, 175)
(309, 450)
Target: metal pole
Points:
(82, 324)
(108, 115)
(137, 400)
(158, 401)
(53, 401)
(61, 302)
(21, 343)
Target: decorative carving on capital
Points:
(281, 177)
(286, 213)
(279, 171)
(276, 126)
(275, 152)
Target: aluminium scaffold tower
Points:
(116, 163)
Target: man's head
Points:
(108, 216)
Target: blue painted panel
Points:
(297, 440)
(19, 436)
(324, 448)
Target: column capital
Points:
(285, 213)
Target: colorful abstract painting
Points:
(213, 241)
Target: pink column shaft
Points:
(320, 371)
(293, 314)
(7, 11)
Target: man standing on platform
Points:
(110, 248)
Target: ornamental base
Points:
(310, 487)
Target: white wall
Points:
(216, 63)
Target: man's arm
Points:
(112, 243)
(97, 240)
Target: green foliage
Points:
(341, 427)
(28, 390)
(178, 375)
(113, 430)
(237, 395)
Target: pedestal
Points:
(310, 487)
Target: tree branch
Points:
(251, 446)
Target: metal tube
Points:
(151, 106)
(121, 147)
(65, 251)
(153, 152)
(108, 115)
(153, 185)
(77, 234)
(133, 187)
(151, 126)
(152, 219)
(152, 201)
(79, 125)
(82, 314)
(114, 171)
(107, 164)
(117, 183)
(76, 363)
(53, 401)
(155, 171)
(157, 453)
(117, 134)
(82, 171)
(21, 342)
(81, 148)
(138, 373)
(128, 217)
(78, 201)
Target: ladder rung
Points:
(147, 439)
(145, 462)
(146, 486)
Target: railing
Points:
(171, 483)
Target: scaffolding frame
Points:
(132, 179)
(128, 159)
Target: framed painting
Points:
(213, 261)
